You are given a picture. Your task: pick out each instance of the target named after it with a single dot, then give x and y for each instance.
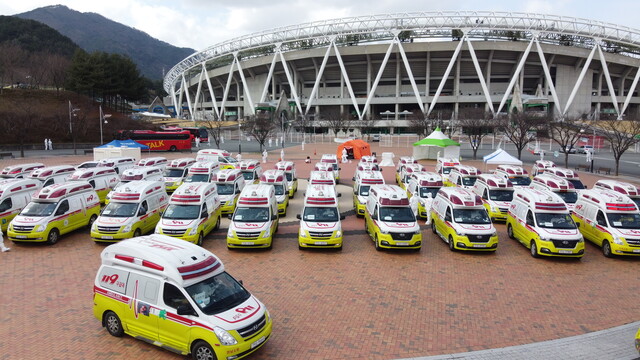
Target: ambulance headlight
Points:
(460, 232)
(495, 233)
(38, 228)
(494, 208)
(229, 203)
(265, 234)
(417, 232)
(618, 240)
(230, 233)
(385, 232)
(338, 233)
(545, 238)
(224, 337)
(94, 227)
(303, 233)
(126, 228)
(193, 231)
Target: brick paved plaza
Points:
(355, 304)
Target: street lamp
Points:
(103, 118)
(239, 137)
(72, 113)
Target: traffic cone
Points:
(314, 151)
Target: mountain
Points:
(94, 32)
(35, 36)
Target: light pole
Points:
(239, 137)
(72, 113)
(103, 118)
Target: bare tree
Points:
(337, 121)
(367, 126)
(475, 124)
(566, 133)
(260, 127)
(214, 128)
(57, 67)
(420, 124)
(19, 121)
(620, 134)
(518, 128)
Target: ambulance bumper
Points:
(387, 242)
(308, 242)
(234, 242)
(244, 349)
(462, 243)
(110, 237)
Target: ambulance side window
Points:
(6, 205)
(447, 214)
(204, 213)
(600, 219)
(92, 183)
(48, 182)
(485, 194)
(143, 208)
(173, 297)
(530, 218)
(63, 207)
(375, 213)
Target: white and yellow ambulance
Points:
(319, 166)
(278, 180)
(370, 159)
(255, 221)
(175, 173)
(54, 211)
(568, 174)
(19, 171)
(193, 212)
(610, 220)
(363, 182)
(422, 189)
(251, 171)
(540, 166)
(102, 179)
(221, 156)
(631, 190)
(365, 166)
(402, 162)
(460, 219)
(52, 174)
(335, 166)
(229, 185)
(320, 225)
(134, 210)
(15, 194)
(202, 171)
(179, 297)
(462, 176)
(516, 174)
(148, 173)
(407, 173)
(289, 168)
(496, 193)
(558, 185)
(120, 163)
(157, 161)
(445, 165)
(389, 220)
(541, 221)
(321, 178)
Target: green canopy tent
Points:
(437, 144)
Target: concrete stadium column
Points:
(566, 78)
(487, 77)
(456, 88)
(342, 94)
(427, 75)
(367, 110)
(599, 104)
(273, 88)
(398, 86)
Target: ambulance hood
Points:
(172, 179)
(249, 310)
(318, 226)
(29, 220)
(175, 223)
(237, 225)
(559, 234)
(396, 227)
(474, 229)
(225, 198)
(500, 204)
(106, 220)
(631, 233)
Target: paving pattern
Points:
(351, 304)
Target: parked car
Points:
(583, 149)
(569, 149)
(375, 137)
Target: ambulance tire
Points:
(606, 249)
(92, 219)
(534, 249)
(53, 237)
(202, 351)
(452, 245)
(113, 324)
(200, 239)
(510, 232)
(218, 223)
(433, 227)
(377, 243)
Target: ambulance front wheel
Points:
(606, 249)
(510, 232)
(200, 238)
(202, 351)
(377, 243)
(218, 223)
(433, 227)
(452, 245)
(113, 324)
(53, 237)
(534, 249)
(137, 233)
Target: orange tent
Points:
(357, 147)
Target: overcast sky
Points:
(201, 23)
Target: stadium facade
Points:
(395, 66)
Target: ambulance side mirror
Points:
(339, 195)
(230, 216)
(353, 178)
(298, 217)
(342, 217)
(339, 168)
(380, 170)
(274, 217)
(578, 224)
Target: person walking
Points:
(197, 141)
(50, 144)
(264, 156)
(2, 247)
(46, 144)
(345, 156)
(239, 157)
(282, 155)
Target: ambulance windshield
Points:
(225, 189)
(624, 221)
(570, 197)
(429, 190)
(174, 173)
(116, 209)
(364, 190)
(279, 189)
(501, 195)
(218, 294)
(471, 216)
(637, 201)
(555, 221)
(520, 180)
(446, 170)
(251, 214)
(197, 178)
(397, 214)
(247, 175)
(289, 176)
(469, 181)
(39, 209)
(320, 214)
(577, 184)
(181, 212)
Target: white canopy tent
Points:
(501, 157)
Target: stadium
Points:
(394, 67)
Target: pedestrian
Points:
(307, 160)
(2, 247)
(50, 144)
(270, 141)
(46, 144)
(282, 155)
(344, 155)
(197, 141)
(302, 145)
(264, 156)
(239, 157)
(221, 140)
